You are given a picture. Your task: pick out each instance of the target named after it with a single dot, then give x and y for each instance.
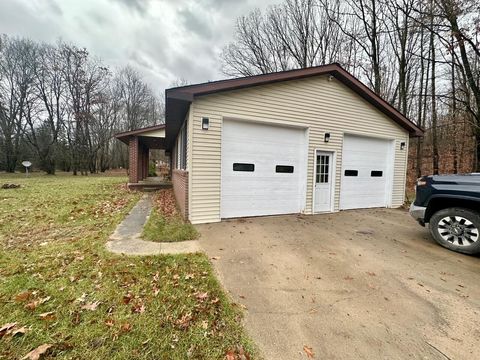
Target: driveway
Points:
(363, 284)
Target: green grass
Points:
(52, 259)
(160, 228)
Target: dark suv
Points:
(450, 204)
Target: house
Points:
(308, 141)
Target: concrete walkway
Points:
(127, 236)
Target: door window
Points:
(243, 167)
(284, 169)
(323, 169)
(351, 172)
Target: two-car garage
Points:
(307, 141)
(264, 171)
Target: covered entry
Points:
(140, 142)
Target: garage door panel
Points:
(369, 158)
(262, 191)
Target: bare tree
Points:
(469, 49)
(15, 87)
(136, 97)
(46, 120)
(295, 34)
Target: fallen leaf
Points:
(127, 298)
(237, 354)
(138, 308)
(48, 316)
(37, 353)
(23, 296)
(4, 329)
(184, 322)
(91, 306)
(126, 327)
(308, 351)
(109, 322)
(19, 331)
(82, 298)
(201, 295)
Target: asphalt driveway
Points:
(363, 284)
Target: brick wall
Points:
(180, 189)
(133, 175)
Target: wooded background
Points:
(60, 106)
(421, 56)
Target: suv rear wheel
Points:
(457, 229)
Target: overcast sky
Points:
(164, 39)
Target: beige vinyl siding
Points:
(316, 103)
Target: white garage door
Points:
(263, 169)
(367, 167)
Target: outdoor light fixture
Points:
(402, 145)
(205, 123)
(327, 137)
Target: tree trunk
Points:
(434, 100)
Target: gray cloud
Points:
(53, 6)
(137, 5)
(164, 40)
(195, 23)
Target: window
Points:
(181, 149)
(323, 169)
(351, 172)
(376, 173)
(243, 167)
(284, 169)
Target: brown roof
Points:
(179, 98)
(151, 142)
(140, 131)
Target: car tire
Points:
(457, 229)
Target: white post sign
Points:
(27, 164)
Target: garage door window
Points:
(287, 169)
(351, 172)
(323, 165)
(243, 167)
(376, 173)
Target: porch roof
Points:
(152, 137)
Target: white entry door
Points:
(323, 182)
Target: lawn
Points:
(165, 223)
(61, 289)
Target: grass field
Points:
(64, 291)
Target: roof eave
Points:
(183, 96)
